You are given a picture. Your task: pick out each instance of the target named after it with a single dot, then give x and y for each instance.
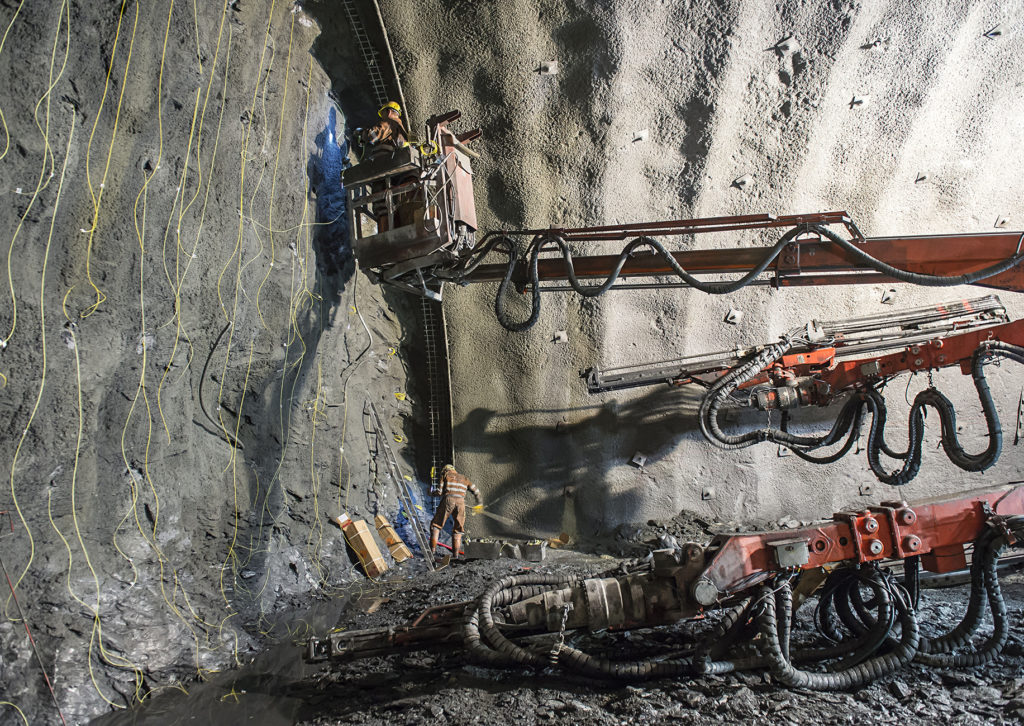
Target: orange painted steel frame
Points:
(930, 355)
(936, 530)
(803, 262)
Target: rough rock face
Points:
(904, 114)
(183, 341)
(186, 350)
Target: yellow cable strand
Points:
(95, 609)
(232, 460)
(42, 379)
(179, 274)
(18, 710)
(98, 198)
(45, 132)
(3, 41)
(273, 177)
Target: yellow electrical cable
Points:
(313, 553)
(3, 41)
(45, 132)
(293, 334)
(96, 627)
(20, 712)
(179, 202)
(179, 197)
(42, 379)
(232, 461)
(206, 196)
(273, 176)
(151, 539)
(263, 169)
(97, 199)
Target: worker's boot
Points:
(457, 545)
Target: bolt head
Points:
(908, 516)
(918, 361)
(912, 543)
(870, 524)
(875, 547)
(915, 349)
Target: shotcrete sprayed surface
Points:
(187, 346)
(904, 114)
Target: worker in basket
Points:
(453, 504)
(388, 133)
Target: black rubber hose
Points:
(932, 651)
(988, 574)
(849, 420)
(202, 379)
(848, 423)
(824, 613)
(785, 672)
(853, 650)
(483, 639)
(499, 300)
(930, 397)
(715, 398)
(917, 278)
(713, 288)
(709, 657)
(720, 393)
(539, 242)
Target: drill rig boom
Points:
(954, 328)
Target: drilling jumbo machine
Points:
(414, 227)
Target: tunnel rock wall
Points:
(904, 114)
(183, 340)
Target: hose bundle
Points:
(866, 637)
(861, 662)
(848, 422)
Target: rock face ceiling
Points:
(187, 349)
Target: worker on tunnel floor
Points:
(387, 134)
(453, 504)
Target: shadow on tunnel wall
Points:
(269, 435)
(562, 461)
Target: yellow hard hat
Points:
(448, 467)
(390, 104)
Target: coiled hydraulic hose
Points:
(868, 650)
(538, 244)
(938, 651)
(541, 241)
(985, 354)
(849, 420)
(774, 622)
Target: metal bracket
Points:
(790, 552)
(787, 264)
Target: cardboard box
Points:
(360, 539)
(395, 544)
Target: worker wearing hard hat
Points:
(453, 504)
(387, 134)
